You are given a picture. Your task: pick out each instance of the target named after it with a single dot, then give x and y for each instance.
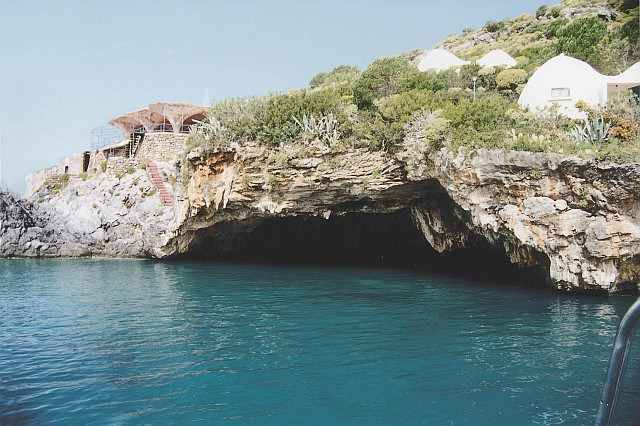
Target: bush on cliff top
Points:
(271, 120)
(339, 75)
(374, 108)
(275, 121)
(386, 77)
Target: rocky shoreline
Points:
(576, 220)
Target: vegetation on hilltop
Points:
(468, 108)
(603, 33)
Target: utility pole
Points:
(474, 88)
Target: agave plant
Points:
(593, 129)
(324, 129)
(207, 128)
(209, 134)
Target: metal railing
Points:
(109, 135)
(104, 136)
(618, 359)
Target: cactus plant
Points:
(324, 129)
(593, 129)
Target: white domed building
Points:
(563, 81)
(630, 79)
(439, 60)
(497, 58)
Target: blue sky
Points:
(68, 67)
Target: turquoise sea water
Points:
(133, 342)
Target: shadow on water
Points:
(365, 240)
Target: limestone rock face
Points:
(602, 10)
(579, 217)
(253, 183)
(102, 216)
(21, 232)
(578, 221)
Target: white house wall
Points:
(583, 82)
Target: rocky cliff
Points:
(578, 221)
(107, 215)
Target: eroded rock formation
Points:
(580, 218)
(578, 221)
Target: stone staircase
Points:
(156, 177)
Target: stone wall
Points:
(70, 165)
(35, 180)
(165, 147)
(122, 165)
(96, 162)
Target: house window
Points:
(560, 92)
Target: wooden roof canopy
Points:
(156, 114)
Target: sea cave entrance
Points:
(356, 239)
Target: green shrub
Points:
(541, 11)
(270, 120)
(510, 79)
(480, 123)
(581, 37)
(430, 80)
(384, 77)
(522, 61)
(538, 55)
(487, 78)
(238, 116)
(376, 132)
(339, 75)
(208, 135)
(623, 5)
(615, 54)
(487, 111)
(461, 77)
(623, 112)
(556, 12)
(275, 120)
(551, 29)
(621, 46)
(493, 26)
(427, 132)
(435, 130)
(401, 107)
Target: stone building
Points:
(155, 133)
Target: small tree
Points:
(384, 77)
